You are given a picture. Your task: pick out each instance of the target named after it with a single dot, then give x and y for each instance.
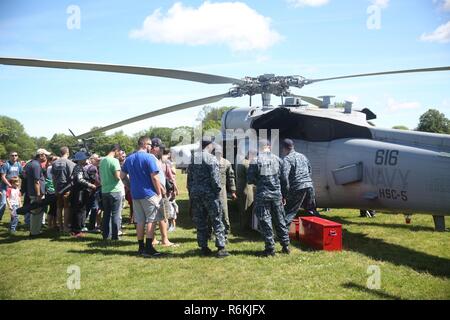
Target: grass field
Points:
(414, 262)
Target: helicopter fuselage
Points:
(356, 165)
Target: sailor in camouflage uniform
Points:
(227, 183)
(299, 190)
(204, 185)
(266, 173)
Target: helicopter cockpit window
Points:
(310, 128)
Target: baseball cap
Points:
(42, 151)
(156, 142)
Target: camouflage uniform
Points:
(266, 173)
(244, 194)
(203, 184)
(227, 180)
(299, 190)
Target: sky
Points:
(311, 38)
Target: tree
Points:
(434, 121)
(211, 118)
(400, 127)
(62, 140)
(41, 142)
(126, 142)
(14, 138)
(100, 143)
(164, 133)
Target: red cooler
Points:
(320, 233)
(294, 229)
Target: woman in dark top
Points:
(79, 194)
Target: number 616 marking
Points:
(386, 157)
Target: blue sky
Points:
(313, 38)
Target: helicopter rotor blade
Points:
(165, 73)
(309, 81)
(311, 100)
(158, 112)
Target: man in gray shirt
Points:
(62, 172)
(36, 189)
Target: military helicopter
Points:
(355, 165)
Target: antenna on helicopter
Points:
(85, 147)
(326, 101)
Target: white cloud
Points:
(396, 106)
(231, 23)
(381, 3)
(446, 5)
(441, 34)
(308, 3)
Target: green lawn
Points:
(413, 259)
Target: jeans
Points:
(112, 208)
(92, 210)
(35, 218)
(14, 218)
(78, 213)
(2, 203)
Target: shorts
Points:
(145, 211)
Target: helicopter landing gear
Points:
(439, 223)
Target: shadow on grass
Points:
(165, 254)
(378, 293)
(379, 250)
(7, 237)
(382, 225)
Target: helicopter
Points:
(354, 164)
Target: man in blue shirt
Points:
(10, 169)
(145, 188)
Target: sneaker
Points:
(286, 250)
(140, 251)
(120, 233)
(152, 253)
(267, 253)
(222, 253)
(84, 229)
(205, 251)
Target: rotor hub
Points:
(267, 84)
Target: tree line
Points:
(14, 138)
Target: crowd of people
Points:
(82, 193)
(87, 192)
